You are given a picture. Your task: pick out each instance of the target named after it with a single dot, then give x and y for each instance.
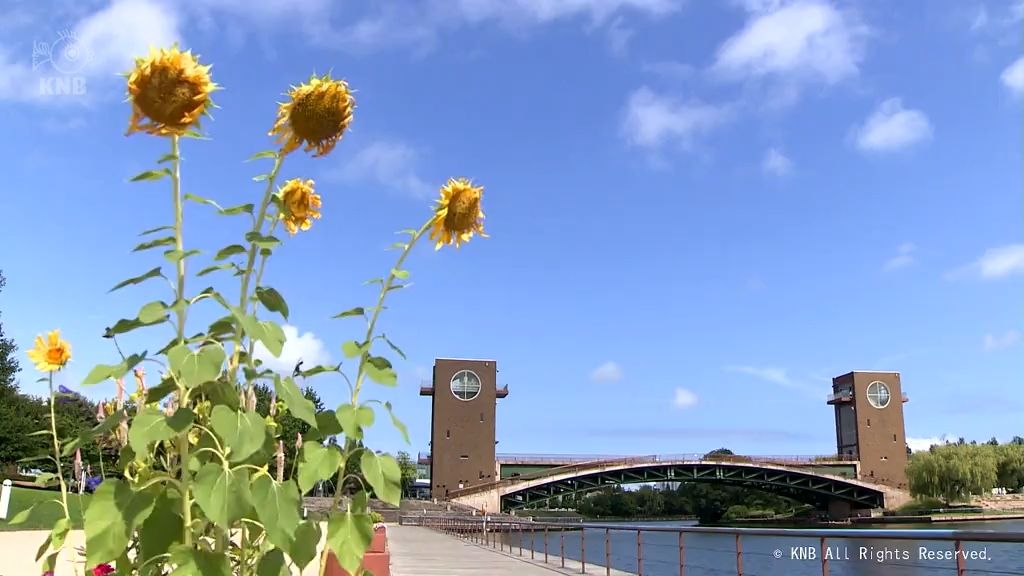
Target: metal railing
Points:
(822, 548)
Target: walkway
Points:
(418, 551)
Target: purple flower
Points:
(65, 390)
(92, 483)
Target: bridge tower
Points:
(869, 425)
(462, 431)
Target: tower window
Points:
(464, 457)
(481, 416)
(448, 434)
(884, 458)
(893, 437)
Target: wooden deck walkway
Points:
(418, 551)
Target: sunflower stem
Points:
(257, 228)
(256, 285)
(56, 450)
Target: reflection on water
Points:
(715, 555)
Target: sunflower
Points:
(317, 115)
(51, 354)
(457, 215)
(169, 91)
(300, 205)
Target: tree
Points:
(408, 468)
(8, 361)
(289, 427)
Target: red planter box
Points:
(376, 561)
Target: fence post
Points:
(824, 557)
(545, 544)
(561, 549)
(739, 555)
(520, 540)
(607, 552)
(533, 541)
(682, 555)
(639, 554)
(961, 568)
(583, 550)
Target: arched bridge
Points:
(810, 483)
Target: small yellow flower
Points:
(316, 115)
(457, 214)
(169, 91)
(51, 354)
(300, 204)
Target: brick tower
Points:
(869, 425)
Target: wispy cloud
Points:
(669, 69)
(306, 347)
(684, 398)
(892, 127)
(919, 444)
(995, 263)
(777, 376)
(619, 36)
(795, 41)
(904, 257)
(776, 163)
(388, 163)
(653, 120)
(607, 373)
(1008, 339)
(1013, 77)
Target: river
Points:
(715, 555)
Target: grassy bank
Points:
(25, 498)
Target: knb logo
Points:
(66, 56)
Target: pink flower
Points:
(103, 570)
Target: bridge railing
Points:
(653, 549)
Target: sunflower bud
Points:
(273, 405)
(250, 401)
(298, 441)
(280, 461)
(120, 393)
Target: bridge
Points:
(826, 483)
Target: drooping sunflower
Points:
(169, 91)
(316, 115)
(50, 354)
(300, 204)
(457, 215)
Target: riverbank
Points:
(938, 518)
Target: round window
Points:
(465, 385)
(878, 394)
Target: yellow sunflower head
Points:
(316, 115)
(457, 215)
(169, 91)
(300, 205)
(51, 353)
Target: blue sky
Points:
(699, 212)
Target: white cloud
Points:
(805, 39)
(904, 257)
(923, 444)
(607, 373)
(543, 11)
(775, 376)
(388, 163)
(1013, 77)
(684, 398)
(307, 348)
(995, 263)
(892, 127)
(980, 19)
(123, 30)
(1008, 339)
(652, 120)
(669, 69)
(775, 162)
(619, 36)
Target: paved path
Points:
(417, 551)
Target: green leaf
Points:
(354, 420)
(193, 134)
(272, 300)
(55, 537)
(35, 513)
(397, 423)
(174, 256)
(349, 537)
(374, 281)
(318, 463)
(398, 246)
(357, 311)
(195, 367)
(277, 506)
(202, 200)
(165, 241)
(351, 348)
(272, 337)
(154, 230)
(113, 371)
(300, 406)
(263, 154)
(303, 550)
(153, 312)
(272, 564)
(379, 370)
(408, 231)
(126, 325)
(138, 279)
(161, 391)
(261, 240)
(384, 475)
(229, 251)
(400, 274)
(393, 347)
(195, 562)
(167, 158)
(151, 175)
(161, 530)
(44, 479)
(327, 423)
(394, 287)
(151, 425)
(223, 493)
(114, 511)
(216, 267)
(319, 370)
(240, 209)
(260, 177)
(241, 432)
